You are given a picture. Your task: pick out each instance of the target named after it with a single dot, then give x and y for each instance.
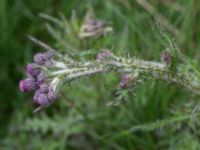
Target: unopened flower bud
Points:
(32, 69)
(27, 85)
(42, 58)
(39, 58)
(42, 99)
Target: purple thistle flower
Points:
(42, 58)
(27, 85)
(44, 95)
(42, 99)
(32, 69)
(39, 58)
(125, 81)
(38, 79)
(104, 54)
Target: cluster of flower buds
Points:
(37, 79)
(51, 69)
(92, 27)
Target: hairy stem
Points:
(139, 69)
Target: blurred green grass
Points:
(81, 119)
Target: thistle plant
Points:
(52, 69)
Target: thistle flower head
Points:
(44, 95)
(92, 27)
(40, 59)
(28, 85)
(44, 58)
(32, 70)
(42, 99)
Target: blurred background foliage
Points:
(158, 117)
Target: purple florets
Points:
(44, 58)
(92, 27)
(32, 70)
(28, 85)
(44, 95)
(39, 59)
(42, 99)
(37, 79)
